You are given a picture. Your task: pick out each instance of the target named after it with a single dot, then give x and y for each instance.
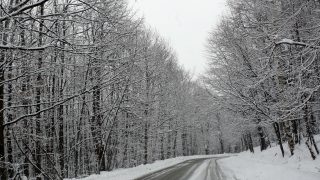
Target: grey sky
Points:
(184, 24)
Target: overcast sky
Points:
(184, 24)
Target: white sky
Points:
(184, 24)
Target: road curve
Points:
(194, 169)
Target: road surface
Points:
(194, 169)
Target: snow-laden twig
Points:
(291, 42)
(26, 48)
(22, 10)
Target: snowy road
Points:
(194, 169)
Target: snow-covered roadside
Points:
(265, 165)
(270, 164)
(132, 173)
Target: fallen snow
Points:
(288, 41)
(135, 172)
(200, 172)
(265, 165)
(270, 164)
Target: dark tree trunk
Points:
(277, 131)
(2, 141)
(63, 165)
(295, 131)
(161, 148)
(61, 127)
(263, 144)
(221, 143)
(299, 131)
(79, 137)
(4, 39)
(184, 144)
(61, 141)
(10, 118)
(250, 143)
(38, 101)
(38, 131)
(313, 155)
(169, 145)
(312, 127)
(146, 142)
(245, 142)
(309, 126)
(2, 121)
(26, 124)
(289, 137)
(175, 143)
(222, 150)
(207, 149)
(96, 129)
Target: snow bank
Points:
(270, 164)
(265, 165)
(132, 173)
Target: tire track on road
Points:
(204, 168)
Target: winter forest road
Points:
(194, 169)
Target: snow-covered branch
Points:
(41, 48)
(291, 42)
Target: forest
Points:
(264, 70)
(86, 86)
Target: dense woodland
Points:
(264, 71)
(87, 87)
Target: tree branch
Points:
(22, 9)
(26, 48)
(291, 42)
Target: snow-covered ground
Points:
(270, 164)
(132, 173)
(266, 165)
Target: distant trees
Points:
(264, 68)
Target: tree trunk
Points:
(96, 123)
(309, 132)
(263, 144)
(26, 110)
(222, 150)
(2, 121)
(175, 143)
(313, 155)
(312, 126)
(295, 131)
(250, 143)
(278, 133)
(146, 111)
(3, 170)
(38, 101)
(4, 38)
(184, 143)
(221, 143)
(10, 118)
(288, 136)
(146, 142)
(161, 148)
(169, 145)
(245, 142)
(61, 124)
(61, 141)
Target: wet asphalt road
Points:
(189, 170)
